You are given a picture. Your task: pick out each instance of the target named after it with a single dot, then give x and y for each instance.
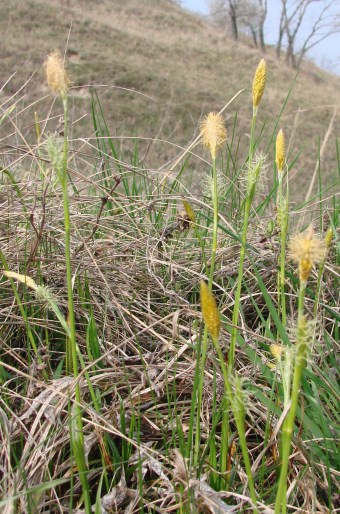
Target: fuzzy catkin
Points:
(306, 250)
(189, 211)
(276, 351)
(209, 310)
(328, 237)
(24, 279)
(56, 75)
(213, 132)
(280, 150)
(259, 82)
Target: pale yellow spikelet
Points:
(213, 132)
(328, 237)
(209, 310)
(24, 279)
(306, 250)
(259, 82)
(190, 211)
(280, 150)
(276, 351)
(56, 75)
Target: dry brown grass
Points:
(140, 281)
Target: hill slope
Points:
(177, 62)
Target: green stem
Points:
(205, 335)
(71, 341)
(247, 464)
(79, 454)
(225, 436)
(202, 359)
(288, 424)
(318, 287)
(215, 224)
(247, 205)
(301, 299)
(239, 425)
(283, 203)
(252, 135)
(235, 317)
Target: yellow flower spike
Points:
(280, 150)
(190, 211)
(328, 237)
(306, 250)
(56, 75)
(24, 279)
(213, 132)
(276, 351)
(259, 82)
(210, 311)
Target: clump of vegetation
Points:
(113, 398)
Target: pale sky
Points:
(326, 54)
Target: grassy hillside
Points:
(159, 69)
(169, 317)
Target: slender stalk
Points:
(282, 206)
(239, 424)
(301, 298)
(205, 335)
(71, 350)
(318, 288)
(247, 206)
(231, 357)
(252, 134)
(282, 223)
(247, 464)
(215, 224)
(199, 238)
(78, 436)
(202, 357)
(328, 241)
(288, 424)
(225, 435)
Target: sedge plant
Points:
(305, 250)
(253, 173)
(213, 135)
(59, 82)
